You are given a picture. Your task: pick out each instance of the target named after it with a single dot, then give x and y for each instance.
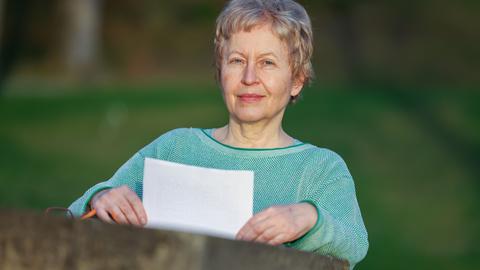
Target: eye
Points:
(268, 62)
(235, 61)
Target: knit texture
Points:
(298, 173)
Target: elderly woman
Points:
(304, 196)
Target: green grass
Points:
(413, 154)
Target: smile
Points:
(250, 98)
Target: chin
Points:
(248, 117)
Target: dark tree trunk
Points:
(346, 37)
(12, 15)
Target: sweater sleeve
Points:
(130, 173)
(339, 231)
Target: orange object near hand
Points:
(90, 214)
(93, 212)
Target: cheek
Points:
(278, 85)
(228, 87)
(228, 81)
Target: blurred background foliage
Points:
(427, 42)
(86, 83)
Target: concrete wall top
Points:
(32, 241)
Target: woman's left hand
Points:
(279, 224)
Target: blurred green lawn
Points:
(413, 154)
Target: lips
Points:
(250, 98)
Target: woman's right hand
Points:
(119, 205)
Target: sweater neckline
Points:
(206, 136)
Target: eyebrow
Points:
(260, 55)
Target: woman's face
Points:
(256, 77)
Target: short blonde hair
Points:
(289, 22)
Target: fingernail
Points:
(143, 221)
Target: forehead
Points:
(259, 38)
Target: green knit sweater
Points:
(301, 172)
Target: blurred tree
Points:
(83, 38)
(11, 28)
(345, 35)
(369, 41)
(2, 2)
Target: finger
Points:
(277, 240)
(103, 215)
(265, 224)
(240, 233)
(119, 199)
(264, 230)
(263, 215)
(117, 215)
(267, 235)
(128, 212)
(252, 231)
(247, 232)
(137, 207)
(113, 217)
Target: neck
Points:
(253, 135)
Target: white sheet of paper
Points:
(196, 199)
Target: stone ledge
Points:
(31, 241)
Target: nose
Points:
(249, 75)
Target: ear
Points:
(297, 85)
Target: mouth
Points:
(250, 98)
